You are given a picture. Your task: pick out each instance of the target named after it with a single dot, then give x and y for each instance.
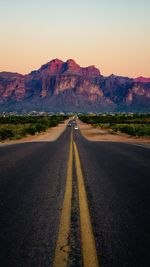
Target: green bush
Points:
(29, 130)
(44, 121)
(135, 124)
(6, 133)
(53, 123)
(40, 127)
(133, 129)
(16, 127)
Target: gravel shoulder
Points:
(98, 134)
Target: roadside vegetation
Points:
(131, 124)
(17, 127)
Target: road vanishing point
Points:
(74, 203)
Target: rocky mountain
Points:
(66, 86)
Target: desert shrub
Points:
(53, 123)
(40, 127)
(16, 127)
(43, 121)
(29, 130)
(6, 133)
(133, 129)
(116, 118)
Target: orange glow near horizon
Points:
(112, 35)
(24, 65)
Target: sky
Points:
(113, 35)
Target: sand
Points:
(98, 134)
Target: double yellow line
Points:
(62, 250)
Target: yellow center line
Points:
(62, 250)
(90, 258)
(62, 246)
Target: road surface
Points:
(94, 195)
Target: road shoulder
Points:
(98, 134)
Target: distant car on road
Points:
(69, 124)
(76, 127)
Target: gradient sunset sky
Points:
(113, 35)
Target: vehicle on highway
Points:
(69, 124)
(76, 127)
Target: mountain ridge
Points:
(59, 85)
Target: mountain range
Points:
(65, 86)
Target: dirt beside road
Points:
(50, 135)
(98, 134)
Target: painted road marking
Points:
(62, 246)
(61, 258)
(89, 254)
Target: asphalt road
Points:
(32, 186)
(32, 183)
(117, 179)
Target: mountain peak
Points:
(91, 71)
(54, 66)
(142, 79)
(57, 66)
(71, 66)
(71, 62)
